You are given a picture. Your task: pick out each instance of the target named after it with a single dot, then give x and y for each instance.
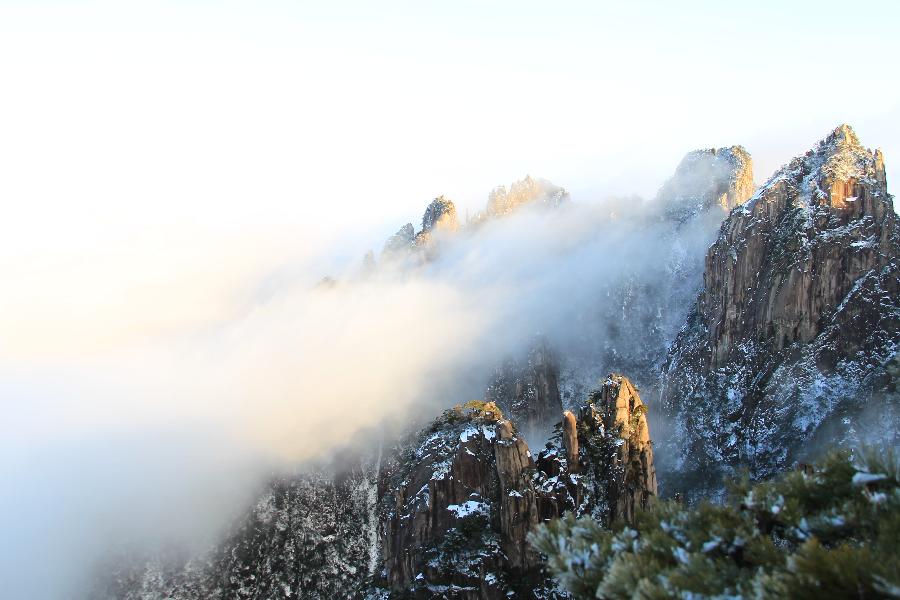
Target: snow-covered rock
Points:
(791, 339)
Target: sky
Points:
(172, 173)
(196, 142)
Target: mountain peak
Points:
(844, 155)
(440, 214)
(528, 191)
(707, 178)
(844, 134)
(828, 173)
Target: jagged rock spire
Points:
(440, 214)
(527, 192)
(799, 312)
(400, 242)
(712, 178)
(632, 480)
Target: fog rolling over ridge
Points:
(160, 442)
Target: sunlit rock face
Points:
(643, 309)
(441, 219)
(440, 215)
(631, 482)
(461, 498)
(446, 512)
(789, 341)
(527, 192)
(459, 503)
(714, 178)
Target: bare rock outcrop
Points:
(527, 192)
(440, 215)
(518, 506)
(643, 309)
(460, 509)
(570, 440)
(712, 178)
(448, 513)
(798, 316)
(632, 474)
(528, 390)
(462, 500)
(401, 242)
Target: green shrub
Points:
(829, 531)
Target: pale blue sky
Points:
(169, 136)
(283, 99)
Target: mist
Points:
(154, 441)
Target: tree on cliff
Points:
(829, 531)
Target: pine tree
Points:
(825, 531)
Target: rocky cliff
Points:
(440, 215)
(643, 308)
(790, 344)
(799, 317)
(463, 497)
(631, 474)
(400, 243)
(527, 192)
(713, 178)
(446, 514)
(528, 391)
(459, 503)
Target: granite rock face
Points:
(459, 504)
(631, 482)
(528, 391)
(441, 217)
(798, 318)
(440, 214)
(462, 499)
(644, 308)
(713, 178)
(401, 242)
(790, 345)
(527, 192)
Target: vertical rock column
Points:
(518, 505)
(632, 480)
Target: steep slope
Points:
(719, 178)
(461, 498)
(529, 391)
(458, 506)
(643, 308)
(447, 514)
(799, 317)
(401, 242)
(311, 536)
(527, 192)
(439, 215)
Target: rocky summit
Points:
(791, 340)
(719, 178)
(762, 326)
(446, 513)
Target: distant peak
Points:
(528, 191)
(843, 133)
(441, 213)
(708, 178)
